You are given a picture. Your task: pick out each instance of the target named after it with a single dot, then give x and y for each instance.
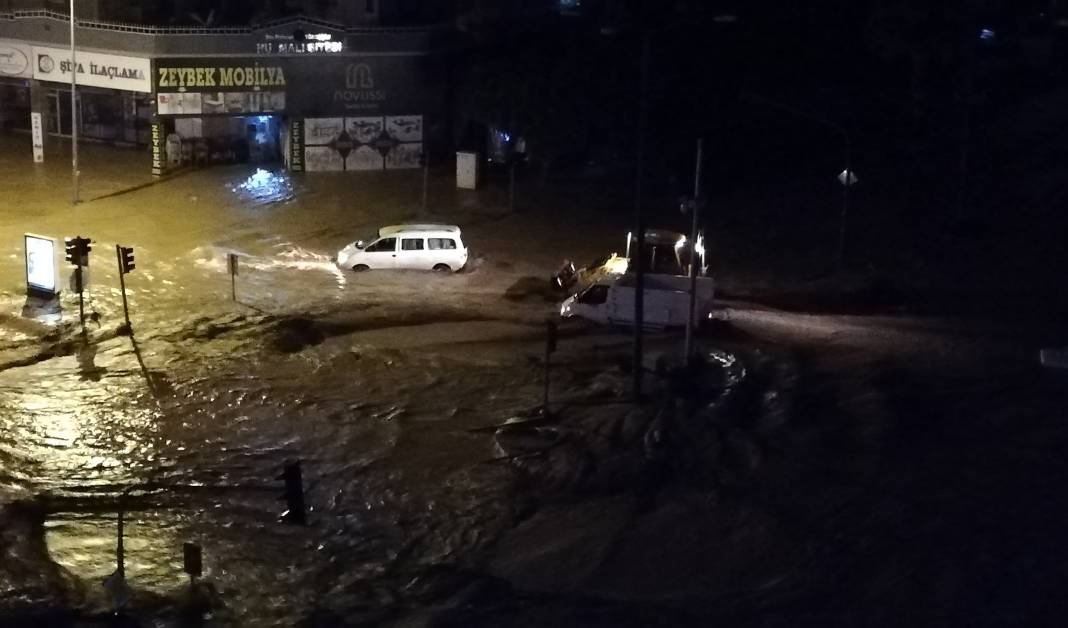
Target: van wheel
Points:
(441, 268)
(361, 268)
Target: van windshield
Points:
(594, 295)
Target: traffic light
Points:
(77, 249)
(294, 494)
(126, 259)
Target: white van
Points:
(666, 300)
(400, 247)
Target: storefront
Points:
(220, 110)
(113, 94)
(16, 72)
(315, 113)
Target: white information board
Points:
(37, 128)
(467, 171)
(42, 268)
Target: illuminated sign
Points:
(279, 44)
(255, 76)
(93, 68)
(41, 271)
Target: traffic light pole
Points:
(80, 285)
(122, 285)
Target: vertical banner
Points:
(296, 145)
(157, 147)
(38, 137)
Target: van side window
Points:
(411, 244)
(385, 244)
(594, 295)
(441, 243)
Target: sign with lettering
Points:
(296, 145)
(210, 75)
(371, 85)
(214, 86)
(15, 59)
(312, 43)
(37, 133)
(95, 69)
(157, 148)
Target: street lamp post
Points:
(695, 209)
(846, 184)
(639, 223)
(73, 111)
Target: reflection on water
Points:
(85, 545)
(76, 424)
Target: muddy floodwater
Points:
(820, 469)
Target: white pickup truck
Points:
(667, 301)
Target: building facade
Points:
(313, 94)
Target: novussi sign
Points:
(169, 79)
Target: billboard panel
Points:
(42, 271)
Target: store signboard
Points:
(42, 269)
(310, 43)
(296, 145)
(362, 85)
(220, 86)
(15, 59)
(95, 69)
(37, 133)
(157, 147)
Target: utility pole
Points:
(845, 202)
(511, 184)
(426, 174)
(73, 112)
(638, 257)
(695, 209)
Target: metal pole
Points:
(73, 111)
(80, 285)
(511, 185)
(232, 259)
(122, 285)
(695, 208)
(845, 204)
(120, 552)
(638, 255)
(548, 369)
(426, 176)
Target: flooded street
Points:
(830, 468)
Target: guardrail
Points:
(121, 27)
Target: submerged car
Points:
(408, 247)
(665, 253)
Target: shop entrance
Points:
(59, 121)
(203, 141)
